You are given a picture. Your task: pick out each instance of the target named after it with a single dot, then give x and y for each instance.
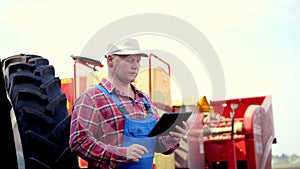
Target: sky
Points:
(256, 42)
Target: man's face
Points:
(126, 68)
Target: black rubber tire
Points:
(41, 112)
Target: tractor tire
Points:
(41, 112)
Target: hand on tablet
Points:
(180, 133)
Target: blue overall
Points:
(135, 132)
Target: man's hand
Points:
(182, 131)
(135, 152)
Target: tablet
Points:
(167, 123)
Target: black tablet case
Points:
(167, 123)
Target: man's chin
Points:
(133, 79)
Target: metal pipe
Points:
(233, 106)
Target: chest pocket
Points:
(138, 127)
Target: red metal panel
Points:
(67, 88)
(252, 147)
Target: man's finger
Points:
(141, 148)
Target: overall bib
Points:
(135, 132)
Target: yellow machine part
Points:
(203, 105)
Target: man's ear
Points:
(109, 60)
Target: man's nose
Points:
(135, 65)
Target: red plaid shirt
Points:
(97, 125)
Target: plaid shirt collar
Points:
(111, 88)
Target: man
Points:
(110, 121)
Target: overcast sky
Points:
(257, 43)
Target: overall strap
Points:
(121, 106)
(147, 106)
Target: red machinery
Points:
(235, 134)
